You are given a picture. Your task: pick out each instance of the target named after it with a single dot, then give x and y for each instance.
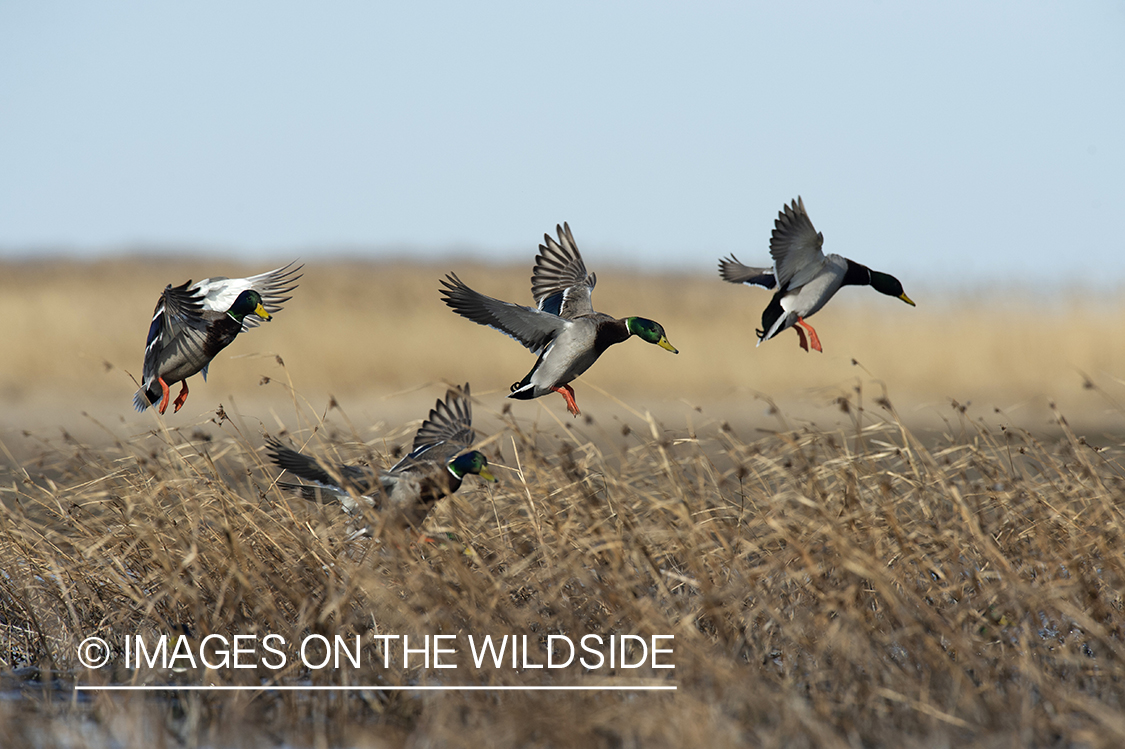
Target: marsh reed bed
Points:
(824, 588)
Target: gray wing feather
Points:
(447, 431)
(177, 323)
(795, 246)
(179, 307)
(358, 478)
(532, 328)
(450, 420)
(559, 270)
(219, 293)
(735, 272)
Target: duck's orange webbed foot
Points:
(567, 392)
(181, 398)
(814, 339)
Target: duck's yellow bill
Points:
(486, 474)
(261, 312)
(907, 299)
(663, 343)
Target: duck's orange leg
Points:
(814, 339)
(801, 335)
(164, 400)
(181, 397)
(567, 392)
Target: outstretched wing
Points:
(795, 246)
(559, 282)
(735, 272)
(176, 335)
(450, 420)
(447, 431)
(219, 293)
(531, 327)
(302, 466)
(178, 314)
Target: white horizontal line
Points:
(290, 688)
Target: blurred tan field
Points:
(373, 334)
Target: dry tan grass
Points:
(848, 584)
(824, 589)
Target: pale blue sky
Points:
(935, 141)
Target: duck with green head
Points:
(803, 276)
(562, 329)
(406, 493)
(194, 322)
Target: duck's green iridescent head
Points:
(471, 462)
(248, 302)
(651, 331)
(887, 284)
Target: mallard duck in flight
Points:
(194, 322)
(408, 491)
(804, 277)
(563, 329)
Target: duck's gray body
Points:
(195, 337)
(570, 354)
(802, 300)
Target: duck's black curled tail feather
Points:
(523, 391)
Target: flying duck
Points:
(803, 276)
(562, 329)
